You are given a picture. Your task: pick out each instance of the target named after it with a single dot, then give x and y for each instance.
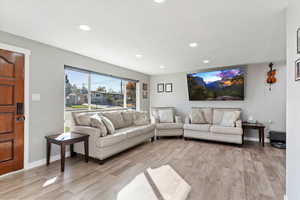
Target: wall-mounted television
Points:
(218, 85)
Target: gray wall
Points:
(47, 78)
(262, 104)
(293, 103)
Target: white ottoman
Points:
(162, 183)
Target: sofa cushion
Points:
(110, 139)
(197, 127)
(116, 118)
(97, 122)
(169, 125)
(134, 131)
(166, 115)
(109, 125)
(218, 114)
(178, 119)
(229, 118)
(141, 118)
(197, 117)
(128, 117)
(207, 112)
(226, 130)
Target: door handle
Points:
(20, 119)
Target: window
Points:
(86, 90)
(106, 92)
(76, 89)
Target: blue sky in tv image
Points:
(218, 75)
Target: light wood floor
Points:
(215, 171)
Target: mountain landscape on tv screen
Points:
(227, 84)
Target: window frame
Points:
(89, 72)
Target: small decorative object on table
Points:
(169, 87)
(67, 139)
(160, 87)
(251, 120)
(258, 126)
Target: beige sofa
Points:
(213, 129)
(167, 122)
(123, 138)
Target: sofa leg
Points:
(101, 162)
(152, 139)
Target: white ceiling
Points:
(228, 32)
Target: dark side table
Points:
(258, 126)
(67, 139)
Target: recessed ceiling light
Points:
(206, 61)
(159, 1)
(84, 27)
(138, 56)
(193, 44)
(162, 67)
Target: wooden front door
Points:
(11, 111)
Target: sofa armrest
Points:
(153, 120)
(187, 120)
(238, 123)
(87, 130)
(178, 119)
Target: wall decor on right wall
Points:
(297, 70)
(160, 87)
(298, 41)
(169, 87)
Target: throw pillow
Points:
(83, 119)
(109, 125)
(197, 117)
(229, 118)
(116, 118)
(141, 118)
(97, 122)
(166, 116)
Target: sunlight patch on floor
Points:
(50, 181)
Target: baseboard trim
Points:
(254, 139)
(37, 163)
(44, 161)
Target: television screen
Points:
(223, 85)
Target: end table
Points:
(258, 126)
(64, 139)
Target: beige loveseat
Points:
(167, 122)
(213, 129)
(127, 134)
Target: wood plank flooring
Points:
(215, 172)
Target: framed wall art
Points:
(169, 87)
(297, 70)
(298, 41)
(160, 87)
